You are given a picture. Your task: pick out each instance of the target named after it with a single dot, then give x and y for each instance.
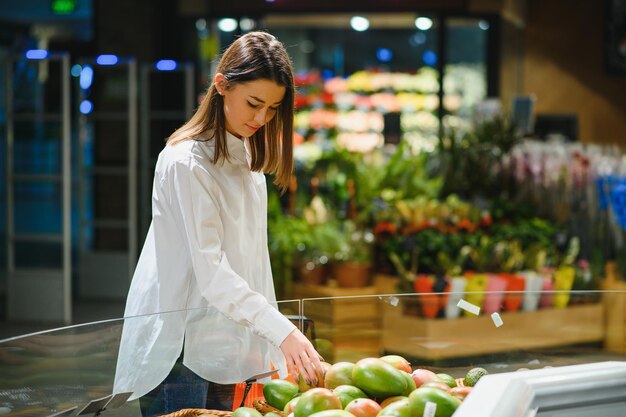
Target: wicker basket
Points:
(196, 412)
(263, 407)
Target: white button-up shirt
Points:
(203, 274)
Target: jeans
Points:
(184, 389)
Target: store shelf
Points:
(469, 336)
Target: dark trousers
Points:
(182, 388)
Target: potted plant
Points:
(315, 251)
(453, 267)
(352, 264)
(510, 257)
(286, 234)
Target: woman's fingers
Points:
(291, 365)
(300, 353)
(317, 364)
(313, 365)
(309, 368)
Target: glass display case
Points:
(74, 368)
(543, 358)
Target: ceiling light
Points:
(359, 23)
(227, 24)
(423, 23)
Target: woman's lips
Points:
(252, 128)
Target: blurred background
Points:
(509, 112)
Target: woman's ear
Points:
(220, 83)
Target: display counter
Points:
(563, 348)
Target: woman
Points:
(205, 265)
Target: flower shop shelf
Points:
(434, 339)
(349, 318)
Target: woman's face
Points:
(248, 106)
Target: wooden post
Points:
(614, 309)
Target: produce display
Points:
(371, 387)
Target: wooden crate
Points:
(386, 284)
(351, 341)
(434, 339)
(348, 317)
(335, 305)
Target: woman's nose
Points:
(260, 117)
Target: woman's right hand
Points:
(300, 353)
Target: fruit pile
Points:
(371, 387)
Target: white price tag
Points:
(469, 307)
(497, 320)
(430, 409)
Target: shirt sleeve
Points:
(219, 284)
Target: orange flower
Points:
(466, 224)
(409, 230)
(297, 138)
(386, 228)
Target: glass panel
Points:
(160, 130)
(108, 141)
(37, 87)
(37, 207)
(111, 197)
(162, 96)
(109, 90)
(51, 371)
(107, 238)
(514, 330)
(37, 147)
(38, 255)
(55, 370)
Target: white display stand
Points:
(597, 389)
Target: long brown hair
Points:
(253, 56)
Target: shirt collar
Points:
(237, 149)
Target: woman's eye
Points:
(273, 108)
(254, 106)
